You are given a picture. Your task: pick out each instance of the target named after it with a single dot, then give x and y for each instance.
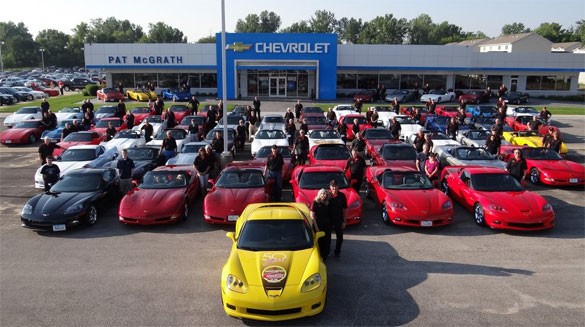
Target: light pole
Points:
(84, 64)
(1, 62)
(225, 153)
(42, 58)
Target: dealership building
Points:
(303, 66)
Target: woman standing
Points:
(432, 167)
(320, 214)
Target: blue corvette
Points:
(55, 134)
(176, 95)
(438, 124)
(484, 111)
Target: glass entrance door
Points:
(277, 86)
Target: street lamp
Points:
(1, 62)
(225, 153)
(42, 58)
(84, 64)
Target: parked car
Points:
(35, 94)
(22, 114)
(176, 94)
(402, 96)
(476, 97)
(70, 113)
(439, 96)
(141, 95)
(76, 83)
(516, 97)
(25, 132)
(109, 94)
(364, 95)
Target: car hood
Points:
(327, 141)
(53, 133)
(516, 203)
(417, 201)
(67, 166)
(483, 163)
(153, 203)
(557, 166)
(15, 118)
(104, 115)
(231, 201)
(49, 207)
(68, 115)
(122, 143)
(15, 133)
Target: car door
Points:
(380, 194)
(465, 190)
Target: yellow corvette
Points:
(141, 95)
(274, 271)
(528, 138)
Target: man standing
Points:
(170, 118)
(194, 105)
(45, 106)
(273, 170)
(126, 171)
(452, 128)
(298, 109)
(130, 120)
(291, 129)
(50, 173)
(338, 210)
(418, 142)
(110, 132)
(121, 110)
(358, 144)
(301, 148)
(517, 166)
(545, 114)
(421, 157)
(241, 134)
(358, 105)
(356, 166)
(331, 117)
(395, 128)
(288, 115)
(46, 150)
(169, 146)
(148, 130)
(256, 103)
(217, 143)
(159, 106)
(534, 124)
(382, 93)
(66, 131)
(193, 129)
(498, 127)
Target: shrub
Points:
(91, 89)
(576, 98)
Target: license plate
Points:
(8, 141)
(426, 223)
(573, 180)
(59, 228)
(233, 217)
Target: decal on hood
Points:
(274, 271)
(273, 274)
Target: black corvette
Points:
(515, 97)
(71, 201)
(145, 160)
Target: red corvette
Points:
(348, 121)
(496, 198)
(307, 181)
(520, 123)
(79, 138)
(102, 125)
(395, 155)
(110, 94)
(263, 153)
(364, 95)
(375, 138)
(312, 112)
(236, 186)
(140, 113)
(409, 111)
(317, 122)
(329, 155)
(25, 132)
(474, 97)
(163, 197)
(49, 92)
(179, 110)
(448, 111)
(408, 198)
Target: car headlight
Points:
(355, 204)
(398, 206)
(27, 209)
(235, 284)
(447, 205)
(495, 207)
(74, 209)
(545, 208)
(311, 283)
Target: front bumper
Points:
(68, 221)
(544, 221)
(421, 220)
(149, 221)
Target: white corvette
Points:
(69, 113)
(125, 139)
(342, 110)
(439, 96)
(24, 113)
(324, 136)
(181, 137)
(408, 127)
(266, 137)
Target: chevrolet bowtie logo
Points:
(238, 47)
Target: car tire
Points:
(534, 176)
(30, 98)
(385, 215)
(479, 214)
(66, 88)
(445, 187)
(32, 139)
(91, 216)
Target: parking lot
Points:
(461, 275)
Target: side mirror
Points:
(232, 236)
(211, 182)
(59, 158)
(318, 235)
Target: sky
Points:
(198, 18)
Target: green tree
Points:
(420, 30)
(207, 39)
(112, 30)
(323, 21)
(56, 45)
(76, 44)
(298, 27)
(514, 28)
(163, 33)
(19, 49)
(554, 32)
(349, 30)
(580, 31)
(269, 22)
(384, 30)
(266, 22)
(444, 33)
(250, 24)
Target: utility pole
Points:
(1, 61)
(42, 50)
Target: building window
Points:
(547, 83)
(477, 82)
(209, 80)
(462, 82)
(346, 81)
(532, 82)
(142, 79)
(168, 80)
(303, 85)
(252, 81)
(563, 83)
(127, 80)
(411, 81)
(390, 81)
(495, 81)
(263, 82)
(436, 82)
(367, 81)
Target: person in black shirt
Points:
(492, 144)
(301, 148)
(501, 114)
(421, 157)
(76, 127)
(321, 216)
(356, 166)
(418, 142)
(426, 89)
(273, 170)
(159, 106)
(298, 109)
(358, 144)
(212, 115)
(355, 129)
(120, 88)
(382, 93)
(395, 128)
(125, 167)
(374, 118)
(241, 134)
(202, 167)
(395, 106)
(304, 126)
(545, 114)
(291, 128)
(252, 125)
(66, 131)
(342, 129)
(194, 103)
(86, 121)
(84, 106)
(110, 132)
(45, 106)
(50, 173)
(256, 103)
(452, 128)
(130, 120)
(169, 146)
(288, 115)
(432, 107)
(331, 117)
(461, 116)
(46, 120)
(121, 109)
(517, 166)
(212, 160)
(556, 142)
(148, 130)
(488, 93)
(358, 105)
(416, 115)
(429, 141)
(498, 127)
(193, 129)
(547, 138)
(338, 212)
(46, 150)
(217, 142)
(170, 118)
(534, 124)
(90, 105)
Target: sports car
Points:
(407, 197)
(515, 97)
(454, 155)
(439, 96)
(188, 154)
(306, 182)
(49, 92)
(176, 95)
(70, 113)
(476, 97)
(448, 111)
(125, 139)
(232, 121)
(401, 95)
(513, 111)
(528, 138)
(348, 121)
(181, 137)
(109, 94)
(438, 124)
(55, 134)
(409, 111)
(157, 124)
(102, 125)
(272, 119)
(473, 137)
(237, 186)
(375, 138)
(179, 110)
(199, 121)
(323, 136)
(145, 160)
(265, 137)
(480, 111)
(385, 114)
(230, 139)
(72, 201)
(497, 199)
(437, 138)
(329, 155)
(343, 109)
(25, 132)
(79, 138)
(105, 112)
(274, 271)
(312, 112)
(80, 156)
(395, 155)
(164, 196)
(35, 94)
(263, 153)
(317, 122)
(365, 95)
(141, 95)
(22, 114)
(520, 123)
(140, 113)
(408, 127)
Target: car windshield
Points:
(141, 91)
(273, 119)
(265, 151)
(211, 134)
(312, 110)
(439, 136)
(450, 109)
(182, 159)
(320, 179)
(495, 183)
(473, 154)
(77, 182)
(324, 134)
(478, 135)
(178, 134)
(344, 108)
(437, 92)
(485, 120)
(79, 137)
(62, 123)
(164, 179)
(27, 124)
(179, 108)
(109, 90)
(104, 123)
(527, 133)
(142, 153)
(540, 154)
(405, 120)
(400, 92)
(383, 109)
(487, 110)
(377, 134)
(270, 135)
(275, 235)
(27, 110)
(25, 89)
(240, 178)
(78, 155)
(349, 120)
(526, 110)
(406, 180)
(231, 120)
(154, 119)
(315, 120)
(106, 110)
(240, 110)
(440, 120)
(199, 120)
(192, 148)
(69, 109)
(398, 152)
(327, 152)
(140, 110)
(128, 134)
(524, 119)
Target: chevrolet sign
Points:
(292, 47)
(238, 47)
